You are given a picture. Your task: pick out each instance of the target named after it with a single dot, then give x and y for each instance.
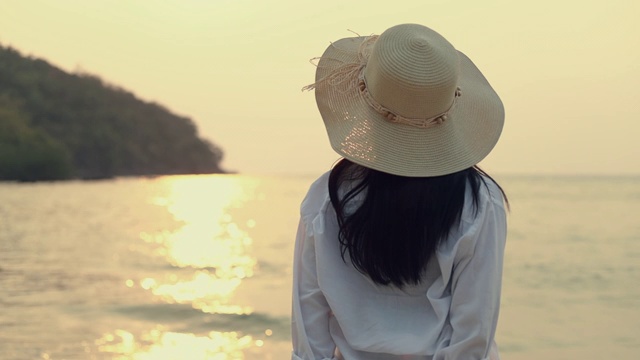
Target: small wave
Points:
(185, 318)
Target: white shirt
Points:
(339, 313)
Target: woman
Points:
(400, 247)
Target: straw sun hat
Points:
(406, 103)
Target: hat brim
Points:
(361, 134)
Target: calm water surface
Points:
(198, 267)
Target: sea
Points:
(199, 267)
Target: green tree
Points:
(28, 154)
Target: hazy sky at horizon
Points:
(567, 71)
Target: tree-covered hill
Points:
(57, 125)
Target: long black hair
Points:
(400, 221)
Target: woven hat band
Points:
(389, 115)
(412, 73)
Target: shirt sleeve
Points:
(475, 288)
(310, 310)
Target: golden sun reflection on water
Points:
(159, 345)
(210, 254)
(209, 237)
(205, 292)
(209, 241)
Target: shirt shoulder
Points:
(493, 193)
(489, 196)
(487, 219)
(316, 198)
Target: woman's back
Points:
(372, 321)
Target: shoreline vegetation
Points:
(56, 125)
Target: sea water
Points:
(199, 267)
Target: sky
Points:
(568, 71)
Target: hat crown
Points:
(413, 71)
